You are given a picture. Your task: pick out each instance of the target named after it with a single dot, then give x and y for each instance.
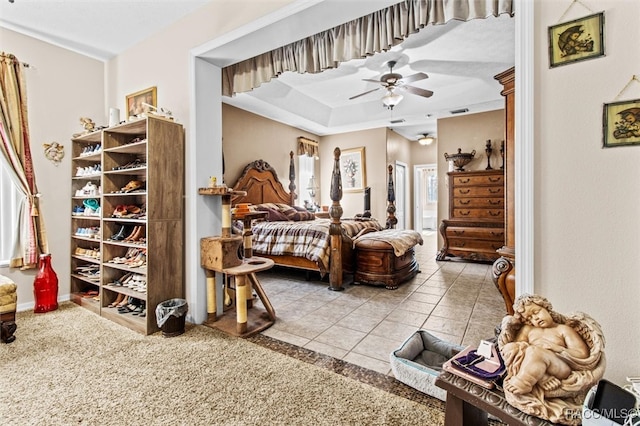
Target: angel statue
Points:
(53, 152)
(552, 360)
(88, 125)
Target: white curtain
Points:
(365, 36)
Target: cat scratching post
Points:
(219, 252)
(222, 254)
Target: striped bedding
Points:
(308, 239)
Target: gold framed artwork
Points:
(138, 103)
(621, 123)
(353, 169)
(576, 40)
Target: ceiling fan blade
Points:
(364, 93)
(415, 77)
(372, 80)
(417, 91)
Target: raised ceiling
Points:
(460, 58)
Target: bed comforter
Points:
(309, 239)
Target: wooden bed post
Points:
(335, 228)
(292, 180)
(392, 220)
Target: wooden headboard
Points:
(261, 183)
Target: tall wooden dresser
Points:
(475, 228)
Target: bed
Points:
(302, 242)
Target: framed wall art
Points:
(352, 169)
(621, 123)
(576, 40)
(135, 102)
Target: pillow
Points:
(273, 215)
(283, 207)
(298, 215)
(263, 206)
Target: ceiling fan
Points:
(392, 81)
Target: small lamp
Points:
(426, 139)
(312, 187)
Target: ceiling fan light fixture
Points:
(391, 99)
(426, 139)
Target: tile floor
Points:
(362, 325)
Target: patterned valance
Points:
(356, 39)
(308, 147)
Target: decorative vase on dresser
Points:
(475, 228)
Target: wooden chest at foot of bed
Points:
(377, 264)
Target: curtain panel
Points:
(14, 146)
(362, 37)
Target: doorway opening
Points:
(402, 183)
(425, 198)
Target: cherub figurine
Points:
(88, 125)
(53, 152)
(552, 361)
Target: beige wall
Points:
(163, 59)
(587, 231)
(61, 87)
(247, 137)
(468, 132)
(374, 142)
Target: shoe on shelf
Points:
(121, 234)
(134, 234)
(91, 203)
(132, 186)
(117, 301)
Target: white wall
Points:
(62, 86)
(587, 227)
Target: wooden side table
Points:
(469, 404)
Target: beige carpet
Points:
(71, 367)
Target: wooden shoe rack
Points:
(140, 220)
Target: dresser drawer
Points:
(474, 254)
(463, 213)
(491, 234)
(496, 202)
(474, 245)
(497, 180)
(478, 191)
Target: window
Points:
(9, 207)
(306, 168)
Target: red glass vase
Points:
(45, 286)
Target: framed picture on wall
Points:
(141, 102)
(621, 123)
(353, 170)
(576, 40)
